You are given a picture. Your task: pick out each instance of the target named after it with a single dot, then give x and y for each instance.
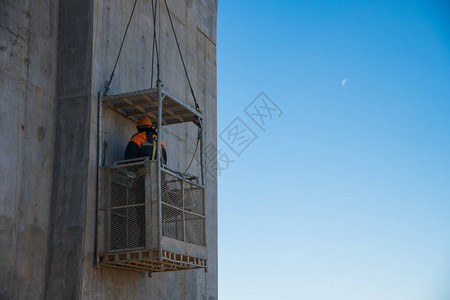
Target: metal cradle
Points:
(150, 218)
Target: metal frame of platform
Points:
(163, 108)
(132, 235)
(149, 261)
(145, 103)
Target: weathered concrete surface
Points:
(195, 23)
(67, 223)
(28, 45)
(55, 56)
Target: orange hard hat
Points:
(144, 121)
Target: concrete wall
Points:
(195, 24)
(28, 47)
(54, 59)
(72, 145)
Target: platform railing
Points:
(133, 220)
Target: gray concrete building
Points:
(55, 58)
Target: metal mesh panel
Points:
(195, 229)
(182, 208)
(127, 210)
(127, 185)
(176, 210)
(171, 190)
(127, 227)
(172, 223)
(172, 205)
(194, 198)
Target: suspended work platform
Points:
(137, 232)
(150, 218)
(145, 103)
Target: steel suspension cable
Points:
(181, 56)
(155, 43)
(200, 131)
(120, 50)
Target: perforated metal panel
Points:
(195, 229)
(172, 207)
(183, 209)
(194, 201)
(127, 208)
(142, 233)
(194, 198)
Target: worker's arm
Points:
(132, 150)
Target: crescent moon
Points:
(344, 81)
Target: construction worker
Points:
(144, 142)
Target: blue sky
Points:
(346, 195)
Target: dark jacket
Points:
(141, 145)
